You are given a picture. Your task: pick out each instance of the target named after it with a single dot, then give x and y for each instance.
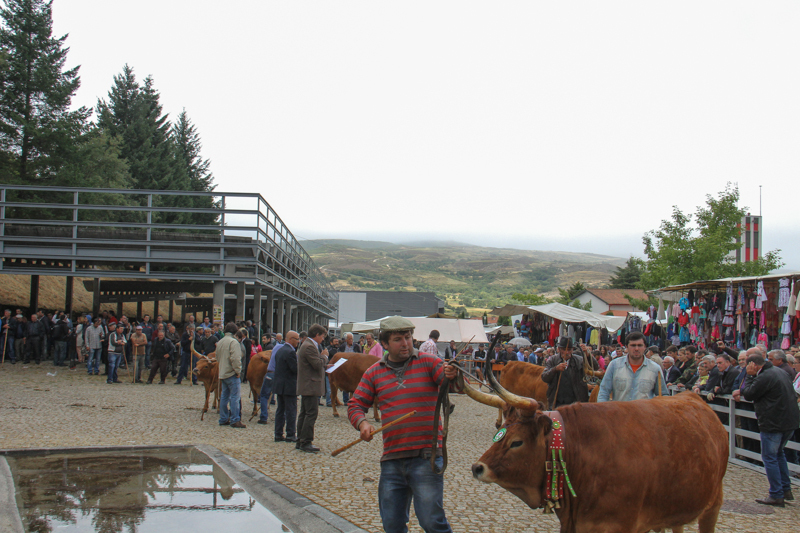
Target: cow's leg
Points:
(678, 529)
(254, 394)
(499, 421)
(334, 399)
(707, 521)
(205, 406)
(375, 410)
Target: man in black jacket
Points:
(284, 388)
(34, 333)
(563, 374)
(770, 389)
(162, 350)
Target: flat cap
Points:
(396, 323)
(565, 342)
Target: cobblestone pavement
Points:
(73, 409)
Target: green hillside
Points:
(474, 277)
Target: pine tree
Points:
(38, 131)
(196, 169)
(628, 276)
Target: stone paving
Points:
(72, 409)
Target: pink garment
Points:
(377, 350)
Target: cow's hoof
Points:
(335, 415)
(377, 420)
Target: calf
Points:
(348, 376)
(207, 371)
(256, 370)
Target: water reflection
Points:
(132, 491)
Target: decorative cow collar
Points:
(556, 468)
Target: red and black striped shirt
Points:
(418, 392)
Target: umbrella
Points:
(520, 341)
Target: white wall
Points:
(352, 307)
(598, 305)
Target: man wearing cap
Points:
(139, 344)
(404, 380)
(536, 356)
(563, 374)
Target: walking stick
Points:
(5, 345)
(343, 448)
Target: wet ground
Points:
(152, 490)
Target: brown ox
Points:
(523, 379)
(620, 458)
(348, 376)
(207, 371)
(256, 370)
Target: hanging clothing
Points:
(761, 295)
(783, 292)
(661, 315)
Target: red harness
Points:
(556, 467)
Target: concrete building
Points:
(604, 300)
(360, 306)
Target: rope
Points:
(443, 400)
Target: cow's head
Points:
(516, 460)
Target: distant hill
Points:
(474, 277)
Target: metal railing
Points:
(736, 434)
(148, 234)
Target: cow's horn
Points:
(479, 396)
(520, 402)
(194, 352)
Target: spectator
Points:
(372, 345)
(671, 371)
(333, 349)
(139, 348)
(429, 346)
(779, 360)
(741, 370)
(285, 388)
(778, 417)
(19, 337)
(209, 342)
(147, 330)
(598, 356)
(94, 343)
(160, 354)
(9, 332)
(174, 338)
(186, 355)
(229, 357)
(708, 384)
(699, 379)
(247, 344)
(116, 351)
(349, 345)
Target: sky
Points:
(537, 125)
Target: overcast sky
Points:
(544, 125)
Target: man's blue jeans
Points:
(147, 354)
(9, 348)
(61, 352)
(231, 390)
(93, 361)
(113, 364)
(263, 397)
(772, 445)
(184, 370)
(402, 479)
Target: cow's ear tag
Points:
(556, 424)
(499, 435)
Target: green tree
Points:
(531, 299)
(682, 252)
(196, 170)
(566, 296)
(627, 277)
(38, 131)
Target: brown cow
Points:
(256, 370)
(523, 379)
(207, 371)
(620, 458)
(348, 376)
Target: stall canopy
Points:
(449, 329)
(564, 313)
(674, 292)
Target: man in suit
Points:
(672, 372)
(284, 388)
(451, 352)
(311, 363)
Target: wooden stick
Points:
(343, 448)
(5, 343)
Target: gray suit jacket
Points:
(310, 370)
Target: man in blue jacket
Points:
(284, 388)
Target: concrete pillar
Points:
(68, 296)
(119, 309)
(219, 298)
(257, 311)
(171, 310)
(279, 308)
(289, 319)
(241, 293)
(155, 309)
(95, 298)
(269, 315)
(139, 311)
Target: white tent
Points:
(459, 330)
(565, 313)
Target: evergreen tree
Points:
(38, 131)
(196, 169)
(628, 276)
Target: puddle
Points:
(135, 491)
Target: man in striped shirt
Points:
(404, 380)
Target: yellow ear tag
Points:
(499, 435)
